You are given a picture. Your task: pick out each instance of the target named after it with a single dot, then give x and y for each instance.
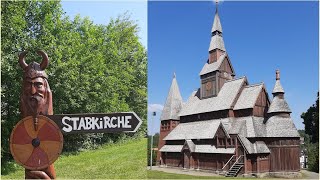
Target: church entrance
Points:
(186, 159)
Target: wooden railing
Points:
(240, 159)
(228, 163)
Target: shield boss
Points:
(36, 149)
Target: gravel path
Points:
(308, 174)
(182, 171)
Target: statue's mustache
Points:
(36, 97)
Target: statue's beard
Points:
(36, 103)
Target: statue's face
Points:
(34, 92)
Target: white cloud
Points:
(155, 107)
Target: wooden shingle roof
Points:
(173, 103)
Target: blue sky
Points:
(259, 37)
(100, 12)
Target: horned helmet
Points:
(34, 69)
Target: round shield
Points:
(36, 149)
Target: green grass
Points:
(117, 161)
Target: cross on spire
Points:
(217, 1)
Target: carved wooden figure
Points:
(36, 141)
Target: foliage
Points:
(313, 157)
(93, 68)
(311, 121)
(118, 161)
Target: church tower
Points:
(279, 105)
(169, 117)
(218, 68)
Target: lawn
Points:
(117, 161)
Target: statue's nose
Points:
(33, 89)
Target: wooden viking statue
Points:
(36, 99)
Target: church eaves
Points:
(173, 103)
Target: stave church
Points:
(228, 126)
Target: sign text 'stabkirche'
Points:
(96, 123)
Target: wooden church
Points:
(228, 125)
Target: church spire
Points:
(216, 48)
(173, 103)
(278, 104)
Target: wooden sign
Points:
(97, 123)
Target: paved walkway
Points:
(310, 175)
(183, 171)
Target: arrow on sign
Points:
(97, 123)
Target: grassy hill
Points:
(117, 161)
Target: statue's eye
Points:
(38, 84)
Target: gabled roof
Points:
(190, 144)
(216, 42)
(224, 100)
(279, 105)
(171, 148)
(254, 148)
(173, 103)
(215, 66)
(277, 87)
(207, 68)
(248, 96)
(194, 130)
(198, 149)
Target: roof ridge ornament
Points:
(277, 74)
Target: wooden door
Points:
(186, 159)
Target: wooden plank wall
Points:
(166, 127)
(285, 154)
(173, 159)
(262, 104)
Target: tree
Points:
(93, 68)
(311, 122)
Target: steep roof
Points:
(194, 130)
(217, 43)
(248, 96)
(215, 66)
(255, 147)
(277, 87)
(279, 105)
(277, 126)
(249, 127)
(198, 149)
(224, 100)
(190, 145)
(171, 148)
(216, 39)
(173, 103)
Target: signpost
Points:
(36, 141)
(97, 123)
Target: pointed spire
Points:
(277, 87)
(216, 23)
(278, 104)
(216, 33)
(173, 103)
